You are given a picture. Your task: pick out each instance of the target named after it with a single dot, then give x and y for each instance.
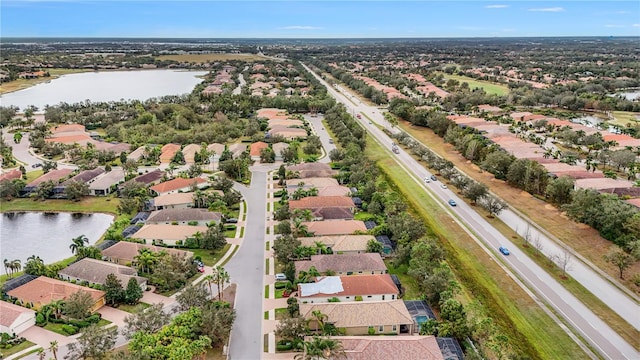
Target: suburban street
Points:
(246, 268)
(596, 332)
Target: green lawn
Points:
(279, 293)
(266, 266)
(32, 175)
(208, 257)
(266, 291)
(411, 291)
(57, 328)
(88, 204)
(623, 118)
(230, 233)
(489, 87)
(133, 308)
(281, 313)
(15, 349)
(516, 314)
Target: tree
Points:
(133, 293)
(289, 155)
(564, 261)
(374, 246)
(620, 259)
(322, 348)
(453, 312)
(44, 190)
(192, 296)
(493, 205)
(114, 293)
(267, 155)
(147, 320)
(217, 322)
(194, 170)
(560, 190)
(284, 248)
(11, 189)
(145, 260)
(89, 251)
(78, 305)
(475, 191)
(213, 238)
(53, 347)
(77, 243)
(94, 343)
(220, 277)
(48, 166)
(292, 328)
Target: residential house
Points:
(256, 148)
(190, 152)
(11, 175)
(15, 319)
(171, 235)
(311, 182)
(53, 175)
(325, 207)
(102, 185)
(287, 132)
(136, 154)
(43, 290)
(168, 152)
(334, 227)
(124, 252)
(390, 347)
(356, 318)
(96, 271)
(312, 170)
(216, 151)
(184, 217)
(150, 178)
(494, 110)
(366, 287)
(237, 149)
(334, 191)
(346, 264)
(285, 123)
(85, 177)
(340, 244)
(172, 201)
(278, 148)
(179, 185)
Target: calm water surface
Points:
(47, 235)
(105, 86)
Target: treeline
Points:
(611, 216)
(358, 85)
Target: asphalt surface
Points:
(22, 154)
(246, 268)
(596, 332)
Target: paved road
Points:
(606, 341)
(238, 89)
(325, 139)
(246, 268)
(22, 154)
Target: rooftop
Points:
(44, 290)
(361, 313)
(349, 286)
(173, 199)
(168, 232)
(96, 271)
(335, 227)
(128, 250)
(176, 184)
(390, 347)
(189, 214)
(10, 312)
(343, 263)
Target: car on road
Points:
(330, 141)
(395, 150)
(434, 178)
(36, 165)
(444, 186)
(452, 202)
(426, 180)
(370, 123)
(232, 221)
(281, 277)
(504, 250)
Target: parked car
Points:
(281, 277)
(444, 186)
(452, 202)
(36, 165)
(426, 180)
(232, 221)
(201, 269)
(330, 141)
(434, 178)
(504, 250)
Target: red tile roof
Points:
(361, 285)
(176, 184)
(313, 202)
(44, 290)
(257, 147)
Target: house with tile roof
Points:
(136, 154)
(11, 175)
(237, 149)
(86, 177)
(15, 319)
(312, 170)
(256, 148)
(190, 152)
(287, 132)
(345, 264)
(124, 252)
(43, 290)
(96, 271)
(307, 183)
(182, 200)
(184, 216)
(390, 347)
(335, 227)
(325, 207)
(178, 185)
(340, 244)
(102, 185)
(377, 287)
(334, 191)
(168, 151)
(278, 148)
(150, 178)
(170, 235)
(355, 318)
(53, 175)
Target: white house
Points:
(349, 288)
(15, 319)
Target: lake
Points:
(105, 86)
(47, 235)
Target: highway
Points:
(595, 331)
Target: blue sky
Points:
(317, 19)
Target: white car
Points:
(443, 186)
(426, 180)
(281, 277)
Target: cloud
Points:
(636, 25)
(498, 6)
(550, 9)
(614, 26)
(300, 27)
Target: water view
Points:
(47, 235)
(105, 86)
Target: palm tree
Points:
(6, 267)
(322, 348)
(220, 276)
(319, 318)
(145, 260)
(41, 354)
(15, 266)
(53, 347)
(77, 243)
(299, 229)
(209, 279)
(57, 306)
(313, 272)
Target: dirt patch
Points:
(582, 238)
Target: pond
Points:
(47, 235)
(629, 95)
(105, 86)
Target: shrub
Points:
(79, 323)
(371, 330)
(284, 345)
(280, 284)
(94, 318)
(40, 320)
(358, 298)
(69, 329)
(334, 299)
(192, 223)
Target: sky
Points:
(317, 19)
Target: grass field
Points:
(88, 204)
(489, 87)
(4, 353)
(21, 84)
(208, 257)
(623, 118)
(200, 58)
(519, 317)
(133, 308)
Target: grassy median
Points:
(518, 316)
